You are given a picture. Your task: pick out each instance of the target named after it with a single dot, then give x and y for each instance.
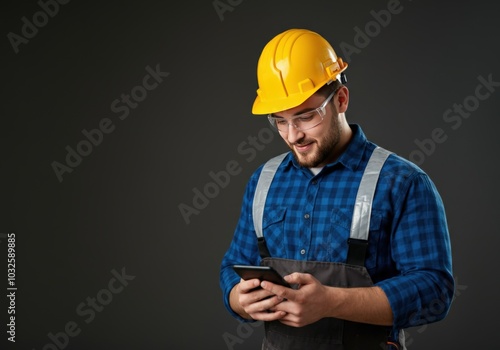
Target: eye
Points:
(280, 121)
(306, 118)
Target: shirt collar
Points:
(355, 150)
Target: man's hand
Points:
(313, 301)
(249, 300)
(303, 306)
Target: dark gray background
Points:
(119, 207)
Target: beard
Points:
(324, 149)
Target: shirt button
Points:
(303, 251)
(306, 216)
(314, 182)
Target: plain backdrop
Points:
(413, 78)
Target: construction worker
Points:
(359, 232)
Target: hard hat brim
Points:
(262, 108)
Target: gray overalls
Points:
(327, 333)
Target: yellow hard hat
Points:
(292, 67)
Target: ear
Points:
(342, 99)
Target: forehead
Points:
(310, 104)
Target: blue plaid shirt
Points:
(308, 217)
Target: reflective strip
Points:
(259, 199)
(360, 225)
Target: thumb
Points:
(298, 278)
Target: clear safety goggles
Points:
(304, 121)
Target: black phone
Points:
(263, 273)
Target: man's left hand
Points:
(303, 306)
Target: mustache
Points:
(302, 142)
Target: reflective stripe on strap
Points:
(259, 199)
(360, 225)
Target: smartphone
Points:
(263, 273)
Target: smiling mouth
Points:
(303, 147)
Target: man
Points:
(358, 231)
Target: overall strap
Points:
(259, 200)
(360, 226)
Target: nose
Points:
(293, 134)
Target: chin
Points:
(307, 160)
